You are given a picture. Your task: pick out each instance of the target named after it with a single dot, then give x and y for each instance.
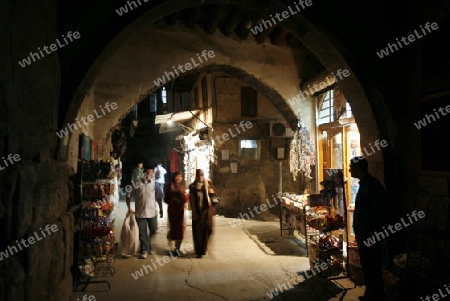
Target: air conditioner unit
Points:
(280, 129)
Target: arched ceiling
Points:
(235, 22)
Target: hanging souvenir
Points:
(302, 154)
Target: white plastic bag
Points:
(129, 238)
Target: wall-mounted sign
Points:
(225, 154)
(233, 167)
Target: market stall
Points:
(315, 219)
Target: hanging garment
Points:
(173, 159)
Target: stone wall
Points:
(35, 191)
(89, 130)
(256, 181)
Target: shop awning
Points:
(175, 117)
(165, 128)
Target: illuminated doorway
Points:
(338, 143)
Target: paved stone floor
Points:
(245, 262)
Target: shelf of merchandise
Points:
(328, 242)
(95, 240)
(293, 217)
(324, 231)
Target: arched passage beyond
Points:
(142, 52)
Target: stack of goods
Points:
(97, 238)
(98, 208)
(329, 250)
(97, 190)
(93, 170)
(333, 223)
(324, 220)
(87, 269)
(297, 200)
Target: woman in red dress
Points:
(176, 197)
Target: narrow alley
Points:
(250, 261)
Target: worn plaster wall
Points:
(256, 181)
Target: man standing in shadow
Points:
(369, 217)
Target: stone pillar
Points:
(35, 189)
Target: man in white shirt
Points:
(145, 209)
(160, 175)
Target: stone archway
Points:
(311, 37)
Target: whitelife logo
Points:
(423, 122)
(378, 236)
(319, 267)
(166, 259)
(411, 38)
(284, 15)
(162, 80)
(262, 207)
(11, 158)
(71, 127)
(244, 125)
(365, 153)
(437, 297)
(124, 9)
(11, 250)
(35, 56)
(87, 298)
(341, 73)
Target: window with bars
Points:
(327, 112)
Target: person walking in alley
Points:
(138, 172)
(160, 176)
(202, 211)
(368, 217)
(176, 197)
(145, 209)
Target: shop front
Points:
(322, 218)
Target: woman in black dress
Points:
(202, 211)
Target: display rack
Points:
(329, 243)
(293, 216)
(94, 238)
(314, 217)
